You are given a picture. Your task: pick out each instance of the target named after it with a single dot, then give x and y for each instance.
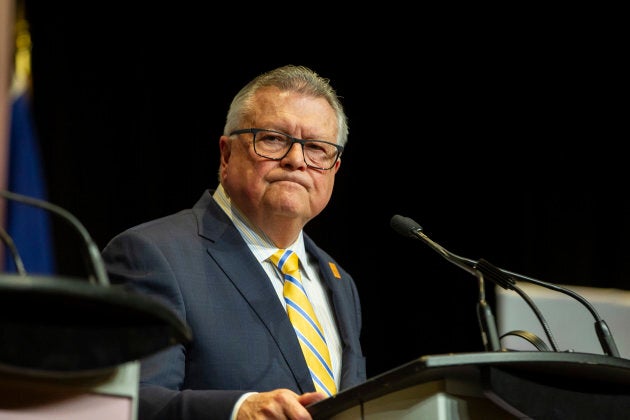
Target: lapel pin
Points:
(334, 270)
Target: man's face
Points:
(266, 189)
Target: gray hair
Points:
(287, 78)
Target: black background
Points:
(501, 136)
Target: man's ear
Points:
(225, 146)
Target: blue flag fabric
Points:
(28, 226)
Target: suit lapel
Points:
(230, 252)
(336, 288)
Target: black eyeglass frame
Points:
(294, 140)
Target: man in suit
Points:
(212, 264)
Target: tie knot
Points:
(286, 260)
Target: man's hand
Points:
(278, 404)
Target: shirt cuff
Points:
(238, 404)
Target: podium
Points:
(70, 348)
(490, 385)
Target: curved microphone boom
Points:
(94, 260)
(407, 227)
(15, 254)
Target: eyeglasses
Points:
(274, 145)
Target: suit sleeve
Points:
(137, 264)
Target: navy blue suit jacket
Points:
(196, 262)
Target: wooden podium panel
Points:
(490, 385)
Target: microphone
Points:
(489, 333)
(78, 327)
(504, 278)
(408, 227)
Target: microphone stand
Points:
(504, 278)
(487, 323)
(500, 279)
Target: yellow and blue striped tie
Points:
(305, 322)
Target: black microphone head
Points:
(404, 225)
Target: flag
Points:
(28, 226)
